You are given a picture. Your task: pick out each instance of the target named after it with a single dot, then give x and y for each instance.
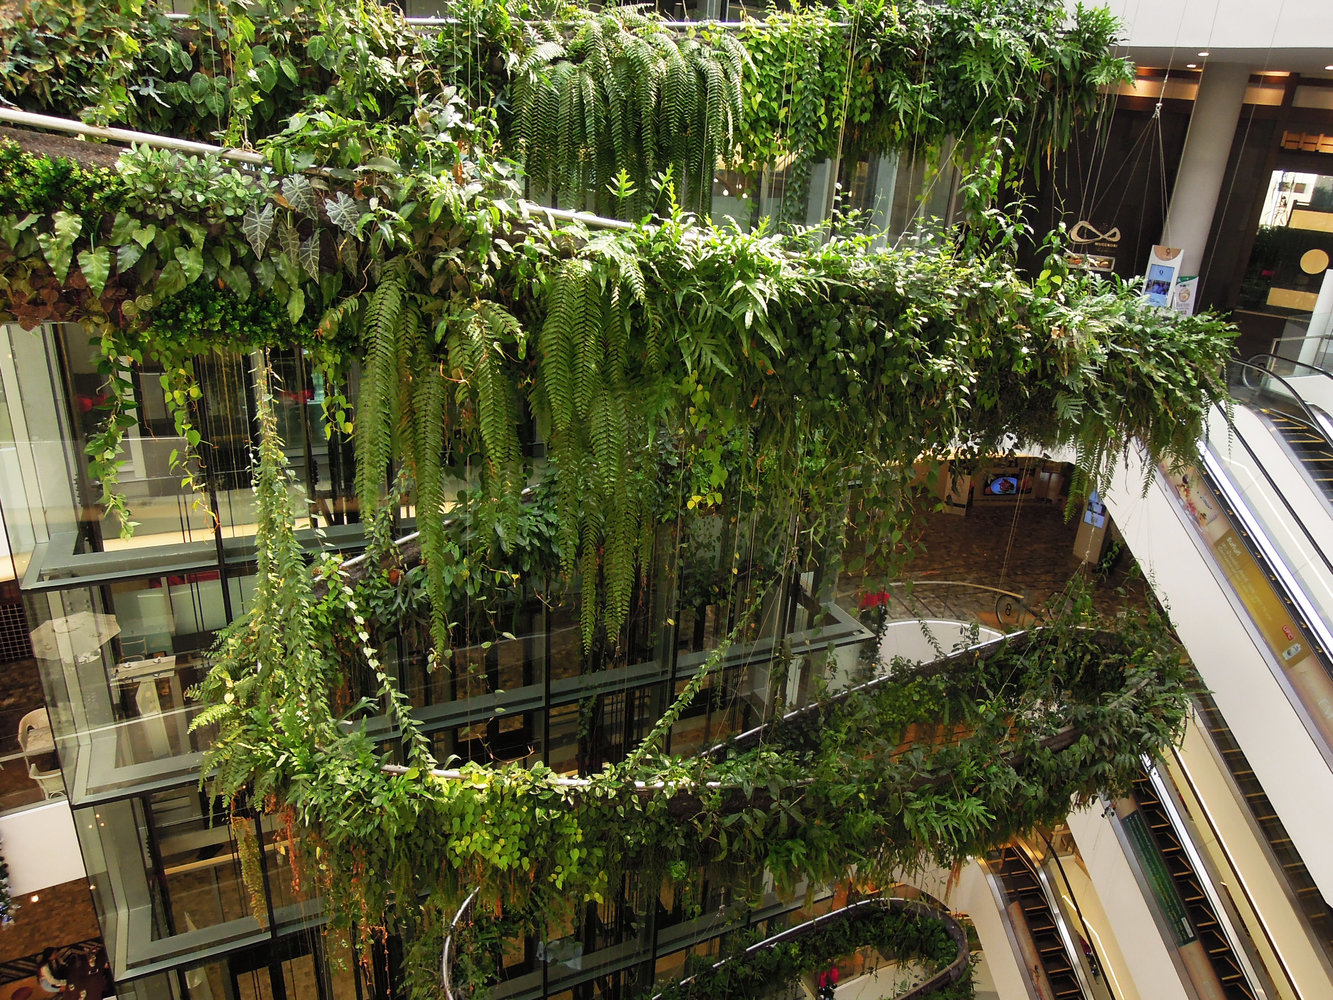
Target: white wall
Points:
(908, 639)
(41, 847)
(970, 895)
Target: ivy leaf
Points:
(300, 195)
(308, 255)
(344, 212)
(58, 247)
(257, 225)
(96, 268)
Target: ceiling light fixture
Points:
(1205, 54)
(1328, 67)
(1191, 65)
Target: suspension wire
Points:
(1245, 138)
(836, 166)
(1100, 145)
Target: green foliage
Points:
(935, 762)
(718, 352)
(590, 92)
(899, 934)
(620, 92)
(676, 372)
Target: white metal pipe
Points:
(245, 156)
(74, 127)
(440, 22)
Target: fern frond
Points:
(561, 331)
(429, 403)
(588, 563)
(379, 383)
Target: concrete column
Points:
(1207, 145)
(1313, 348)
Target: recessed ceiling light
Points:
(1205, 54)
(35, 898)
(1328, 67)
(1191, 65)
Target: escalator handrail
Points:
(1310, 419)
(1224, 493)
(1253, 360)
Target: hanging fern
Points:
(622, 92)
(428, 448)
(378, 401)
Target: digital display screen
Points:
(1158, 286)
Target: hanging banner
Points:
(1092, 248)
(1183, 299)
(1163, 272)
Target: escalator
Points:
(1309, 445)
(1277, 388)
(1035, 925)
(1201, 909)
(1240, 548)
(1305, 893)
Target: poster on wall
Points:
(1278, 627)
(1159, 283)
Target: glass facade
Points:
(121, 627)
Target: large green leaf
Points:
(344, 212)
(257, 225)
(96, 268)
(300, 195)
(58, 246)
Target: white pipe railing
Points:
(16, 117)
(75, 127)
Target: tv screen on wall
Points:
(1005, 484)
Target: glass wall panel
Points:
(166, 879)
(117, 664)
(36, 486)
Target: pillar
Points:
(1212, 126)
(1314, 348)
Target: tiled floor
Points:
(1025, 547)
(63, 914)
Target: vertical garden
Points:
(717, 407)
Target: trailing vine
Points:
(726, 386)
(900, 931)
(876, 779)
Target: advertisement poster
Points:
(1183, 299)
(1276, 622)
(1159, 284)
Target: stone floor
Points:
(60, 915)
(1025, 547)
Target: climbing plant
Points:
(898, 930)
(689, 382)
(902, 769)
(821, 365)
(584, 88)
